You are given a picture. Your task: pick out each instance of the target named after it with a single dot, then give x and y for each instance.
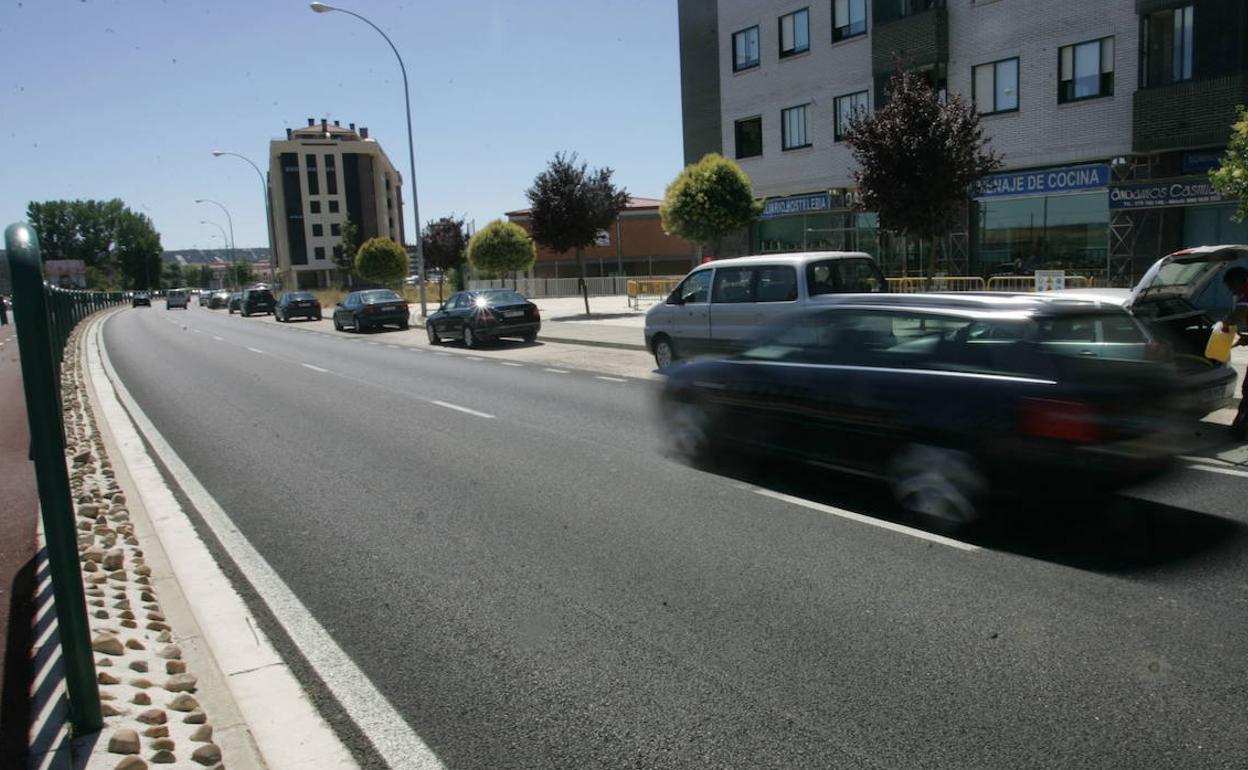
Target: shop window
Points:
(749, 136)
(1166, 40)
(996, 86)
(849, 19)
(745, 49)
(1060, 232)
(848, 108)
(1086, 70)
(794, 33)
(793, 128)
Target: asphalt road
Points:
(543, 588)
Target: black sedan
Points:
(219, 299)
(235, 302)
(297, 304)
(363, 310)
(947, 400)
(141, 298)
(479, 316)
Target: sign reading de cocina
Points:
(1044, 181)
(1147, 195)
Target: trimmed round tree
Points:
(707, 201)
(501, 247)
(381, 260)
(1230, 178)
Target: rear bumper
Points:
(1206, 392)
(508, 330)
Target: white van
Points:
(177, 298)
(720, 306)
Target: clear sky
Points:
(128, 98)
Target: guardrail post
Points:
(47, 438)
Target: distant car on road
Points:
(177, 298)
(219, 299)
(205, 297)
(141, 298)
(487, 314)
(235, 299)
(256, 301)
(363, 310)
(297, 304)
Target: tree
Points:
(1230, 178)
(117, 245)
(569, 204)
(501, 247)
(708, 200)
(381, 260)
(138, 250)
(205, 277)
(172, 277)
(444, 244)
(919, 157)
(242, 274)
(344, 255)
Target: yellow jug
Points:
(1221, 340)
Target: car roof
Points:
(799, 258)
(971, 302)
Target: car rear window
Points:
(503, 297)
(299, 296)
(855, 275)
(379, 295)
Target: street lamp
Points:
(233, 265)
(268, 212)
(228, 218)
(411, 153)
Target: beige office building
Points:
(319, 176)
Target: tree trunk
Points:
(580, 278)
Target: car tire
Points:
(945, 487)
(405, 325)
(337, 326)
(664, 351)
(434, 339)
(529, 337)
(469, 337)
(357, 324)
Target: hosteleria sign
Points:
(1148, 195)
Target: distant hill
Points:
(209, 256)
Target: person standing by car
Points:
(1236, 279)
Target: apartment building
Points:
(320, 175)
(1108, 114)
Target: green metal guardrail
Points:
(44, 317)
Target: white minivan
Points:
(720, 306)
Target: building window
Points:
(745, 49)
(331, 181)
(329, 161)
(1086, 70)
(848, 108)
(1167, 46)
(849, 19)
(750, 137)
(318, 231)
(996, 86)
(794, 33)
(333, 207)
(319, 252)
(793, 128)
(335, 229)
(314, 207)
(314, 187)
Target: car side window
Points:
(856, 276)
(733, 284)
(695, 288)
(1067, 329)
(776, 284)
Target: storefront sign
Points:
(1050, 280)
(1197, 161)
(796, 204)
(1044, 182)
(1147, 195)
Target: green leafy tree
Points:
(243, 274)
(707, 201)
(138, 250)
(205, 277)
(919, 157)
(172, 277)
(501, 247)
(344, 255)
(381, 260)
(1230, 178)
(569, 204)
(118, 246)
(444, 245)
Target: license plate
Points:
(390, 307)
(513, 314)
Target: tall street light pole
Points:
(233, 265)
(228, 218)
(411, 153)
(268, 211)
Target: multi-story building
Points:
(319, 176)
(1108, 115)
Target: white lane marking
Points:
(475, 358)
(416, 350)
(440, 353)
(373, 343)
(396, 347)
(218, 339)
(315, 368)
(609, 379)
(1223, 471)
(510, 363)
(464, 409)
(376, 717)
(858, 517)
(556, 371)
(256, 350)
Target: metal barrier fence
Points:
(535, 288)
(651, 288)
(1002, 283)
(45, 316)
(1025, 283)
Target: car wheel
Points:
(664, 351)
(690, 430)
(358, 324)
(529, 337)
(944, 486)
(405, 325)
(337, 326)
(318, 316)
(434, 339)
(470, 339)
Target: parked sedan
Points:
(362, 310)
(235, 302)
(297, 304)
(948, 399)
(256, 300)
(141, 298)
(479, 316)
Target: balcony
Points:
(1194, 113)
(919, 39)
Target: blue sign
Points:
(796, 204)
(1045, 181)
(1196, 161)
(1151, 195)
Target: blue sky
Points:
(128, 98)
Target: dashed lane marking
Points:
(464, 409)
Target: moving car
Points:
(141, 298)
(949, 399)
(297, 304)
(234, 301)
(369, 308)
(219, 299)
(487, 314)
(205, 297)
(177, 298)
(720, 306)
(256, 300)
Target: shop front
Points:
(818, 221)
(1185, 211)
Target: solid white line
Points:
(1223, 471)
(609, 379)
(475, 358)
(510, 363)
(315, 368)
(218, 339)
(256, 350)
(556, 371)
(858, 517)
(465, 410)
(375, 716)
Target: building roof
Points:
(634, 204)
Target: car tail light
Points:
(1072, 421)
(403, 306)
(370, 308)
(537, 315)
